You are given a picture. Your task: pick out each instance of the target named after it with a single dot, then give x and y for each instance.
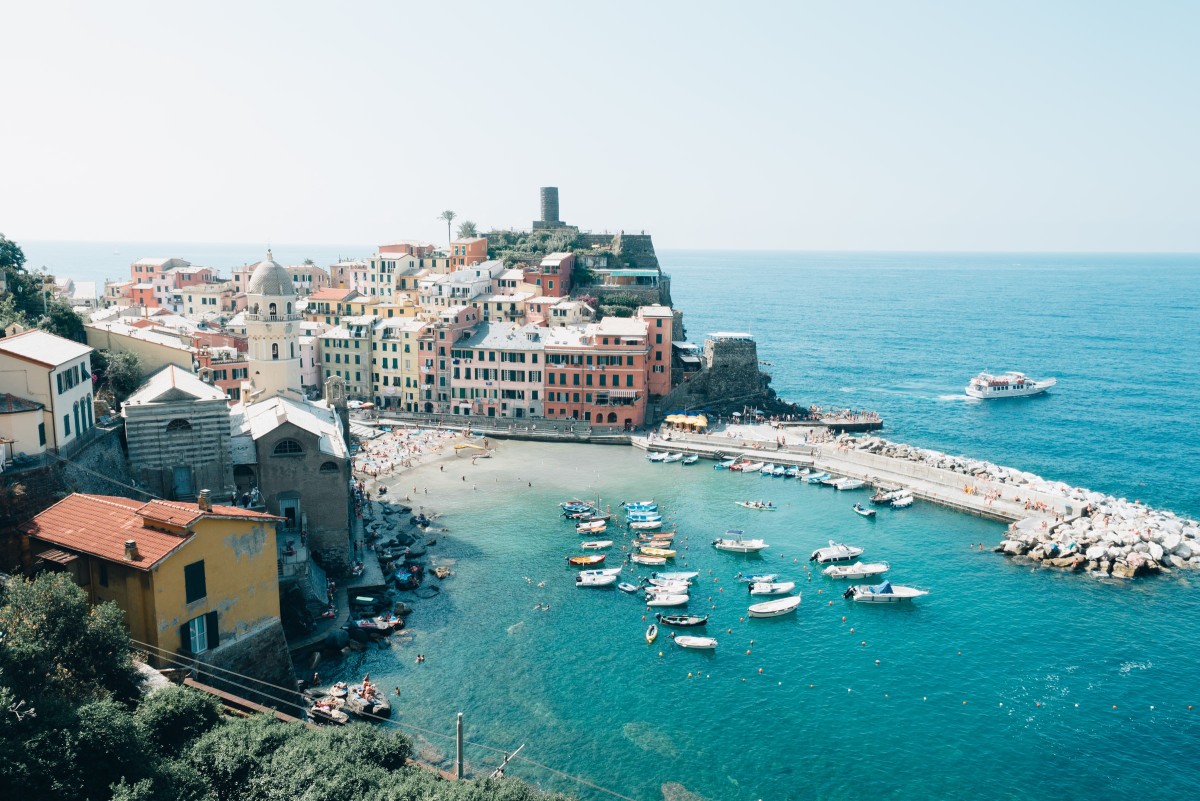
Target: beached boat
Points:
(848, 483)
(757, 578)
(596, 545)
(585, 561)
(646, 525)
(836, 552)
(651, 633)
(666, 599)
(885, 593)
(677, 575)
(594, 527)
(666, 553)
(987, 386)
(696, 643)
(739, 545)
(859, 509)
(759, 506)
(903, 502)
(625, 586)
(673, 457)
(772, 588)
(753, 467)
(655, 456)
(860, 570)
(595, 581)
(780, 606)
(816, 478)
(652, 561)
(604, 571)
(682, 621)
(725, 465)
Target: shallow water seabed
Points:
(590, 697)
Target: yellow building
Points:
(394, 363)
(194, 579)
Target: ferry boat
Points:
(1006, 385)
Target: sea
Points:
(1006, 682)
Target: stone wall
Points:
(261, 654)
(728, 382)
(158, 444)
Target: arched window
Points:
(289, 307)
(329, 467)
(288, 447)
(292, 349)
(612, 417)
(274, 350)
(254, 309)
(271, 309)
(179, 424)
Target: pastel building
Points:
(597, 373)
(346, 353)
(468, 251)
(660, 326)
(153, 272)
(459, 287)
(552, 275)
(395, 380)
(434, 363)
(498, 372)
(55, 374)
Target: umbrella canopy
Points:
(702, 421)
(674, 418)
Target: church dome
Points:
(270, 278)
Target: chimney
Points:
(131, 551)
(205, 501)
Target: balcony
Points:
(273, 318)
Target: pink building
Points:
(552, 276)
(498, 372)
(660, 325)
(597, 373)
(434, 344)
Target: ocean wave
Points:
(1127, 667)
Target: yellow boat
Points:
(666, 553)
(651, 633)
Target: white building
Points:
(55, 372)
(459, 287)
(272, 333)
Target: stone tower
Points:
(549, 210)
(273, 333)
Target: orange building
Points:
(660, 324)
(467, 251)
(597, 373)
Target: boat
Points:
(696, 643)
(327, 710)
(816, 478)
(652, 561)
(753, 467)
(780, 471)
(591, 528)
(595, 581)
(860, 570)
(666, 599)
(666, 553)
(864, 511)
(886, 493)
(885, 593)
(836, 552)
(761, 506)
(690, 459)
(595, 516)
(740, 465)
(655, 456)
(725, 465)
(678, 575)
(757, 578)
(988, 386)
(848, 483)
(768, 588)
(584, 515)
(651, 633)
(640, 506)
(576, 505)
(664, 582)
(646, 525)
(780, 606)
(663, 585)
(792, 472)
(665, 542)
(739, 545)
(596, 545)
(829, 481)
(673, 457)
(768, 469)
(682, 621)
(585, 561)
(604, 571)
(625, 586)
(641, 516)
(903, 502)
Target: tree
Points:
(62, 320)
(309, 263)
(173, 717)
(124, 374)
(449, 217)
(467, 229)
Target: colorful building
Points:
(660, 326)
(56, 373)
(597, 373)
(497, 371)
(468, 251)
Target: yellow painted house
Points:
(192, 578)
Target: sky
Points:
(849, 125)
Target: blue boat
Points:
(817, 478)
(642, 517)
(640, 506)
(725, 465)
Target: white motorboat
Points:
(673, 457)
(696, 643)
(677, 575)
(625, 586)
(848, 483)
(604, 571)
(666, 599)
(836, 552)
(668, 588)
(903, 502)
(596, 545)
(859, 509)
(691, 459)
(886, 493)
(594, 527)
(830, 481)
(775, 608)
(739, 545)
(816, 478)
(679, 584)
(753, 467)
(860, 570)
(885, 593)
(757, 578)
(595, 581)
(655, 456)
(652, 561)
(769, 588)
(987, 386)
(646, 525)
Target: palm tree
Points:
(467, 229)
(448, 216)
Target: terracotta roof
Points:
(331, 293)
(99, 525)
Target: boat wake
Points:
(1129, 667)
(962, 398)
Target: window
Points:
(329, 467)
(199, 634)
(274, 350)
(193, 581)
(103, 577)
(67, 425)
(287, 447)
(179, 424)
(41, 433)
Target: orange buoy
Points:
(760, 670)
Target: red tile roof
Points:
(100, 524)
(330, 293)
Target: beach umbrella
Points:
(702, 421)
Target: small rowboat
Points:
(859, 509)
(646, 525)
(625, 586)
(640, 506)
(585, 561)
(668, 587)
(596, 545)
(673, 457)
(666, 553)
(594, 527)
(691, 459)
(683, 621)
(768, 588)
(757, 578)
(665, 582)
(666, 599)
(696, 643)
(651, 633)
(679, 575)
(725, 465)
(760, 506)
(780, 606)
(642, 559)
(655, 456)
(606, 571)
(595, 581)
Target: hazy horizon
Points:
(813, 127)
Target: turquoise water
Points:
(901, 334)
